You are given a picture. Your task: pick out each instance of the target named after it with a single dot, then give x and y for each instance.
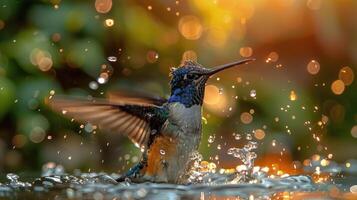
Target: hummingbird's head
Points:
(188, 81)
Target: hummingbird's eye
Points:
(191, 76)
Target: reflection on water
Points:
(56, 184)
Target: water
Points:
(204, 183)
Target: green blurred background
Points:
(298, 100)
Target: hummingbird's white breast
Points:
(186, 127)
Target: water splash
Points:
(205, 181)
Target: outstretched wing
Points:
(141, 98)
(134, 119)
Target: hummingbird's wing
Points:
(136, 97)
(131, 118)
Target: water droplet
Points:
(93, 85)
(109, 22)
(12, 177)
(253, 93)
(237, 136)
(210, 139)
(162, 152)
(112, 59)
(101, 80)
(248, 136)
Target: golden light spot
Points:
(354, 131)
(293, 95)
(246, 51)
(316, 157)
(348, 165)
(189, 55)
(313, 67)
(190, 27)
(103, 6)
(212, 96)
(307, 162)
(346, 75)
(313, 4)
(152, 56)
(324, 162)
(259, 134)
(246, 118)
(42, 59)
(324, 119)
(109, 22)
(338, 87)
(45, 64)
(149, 7)
(239, 79)
(272, 57)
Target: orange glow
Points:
(313, 4)
(215, 100)
(246, 118)
(338, 87)
(346, 75)
(246, 52)
(45, 64)
(259, 134)
(212, 96)
(272, 57)
(103, 6)
(190, 27)
(42, 59)
(293, 95)
(313, 67)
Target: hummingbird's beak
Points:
(227, 66)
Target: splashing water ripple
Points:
(55, 183)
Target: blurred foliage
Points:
(54, 46)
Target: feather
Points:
(125, 114)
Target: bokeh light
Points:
(354, 131)
(103, 6)
(313, 67)
(190, 27)
(246, 51)
(338, 87)
(246, 118)
(259, 134)
(109, 22)
(346, 75)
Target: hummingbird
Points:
(167, 131)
